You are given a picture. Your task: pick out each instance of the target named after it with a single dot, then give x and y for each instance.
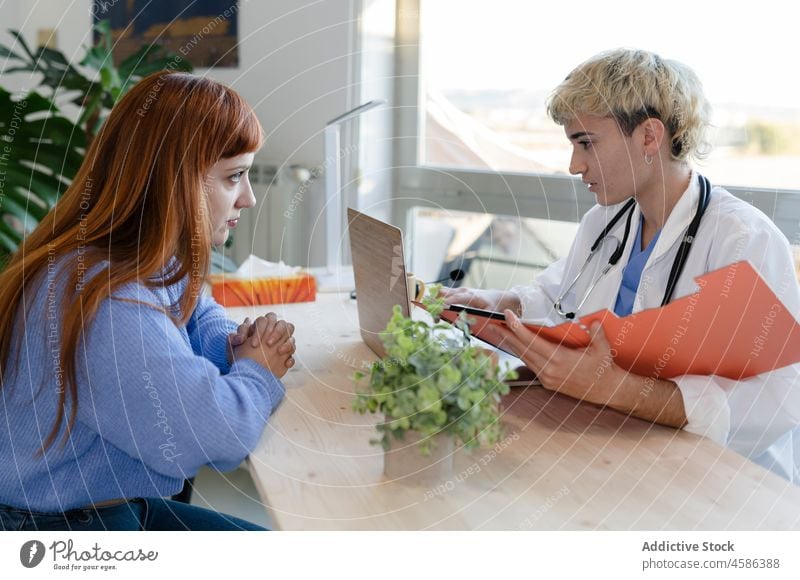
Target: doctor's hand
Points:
(590, 374)
(495, 300)
(586, 373)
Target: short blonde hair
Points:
(634, 85)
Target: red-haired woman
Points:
(118, 377)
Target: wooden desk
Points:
(563, 465)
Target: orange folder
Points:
(734, 326)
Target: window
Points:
(485, 75)
(493, 251)
(471, 131)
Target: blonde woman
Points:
(119, 379)
(635, 121)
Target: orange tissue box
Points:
(260, 282)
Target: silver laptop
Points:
(380, 274)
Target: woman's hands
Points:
(267, 340)
(495, 300)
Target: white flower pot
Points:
(404, 462)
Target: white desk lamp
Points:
(334, 209)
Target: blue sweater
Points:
(155, 401)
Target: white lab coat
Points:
(757, 417)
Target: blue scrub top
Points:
(632, 273)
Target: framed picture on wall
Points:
(206, 32)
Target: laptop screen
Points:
(380, 274)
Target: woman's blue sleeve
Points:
(208, 330)
(144, 390)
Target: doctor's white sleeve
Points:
(537, 300)
(750, 415)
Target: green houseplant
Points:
(433, 383)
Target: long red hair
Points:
(138, 202)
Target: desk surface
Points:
(562, 465)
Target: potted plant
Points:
(433, 388)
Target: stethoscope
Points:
(677, 265)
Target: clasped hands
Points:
(267, 340)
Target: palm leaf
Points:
(21, 207)
(21, 40)
(45, 186)
(9, 239)
(8, 53)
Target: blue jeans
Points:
(152, 514)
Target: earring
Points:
(648, 159)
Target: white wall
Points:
(9, 20)
(297, 69)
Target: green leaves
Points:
(433, 381)
(434, 304)
(39, 153)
